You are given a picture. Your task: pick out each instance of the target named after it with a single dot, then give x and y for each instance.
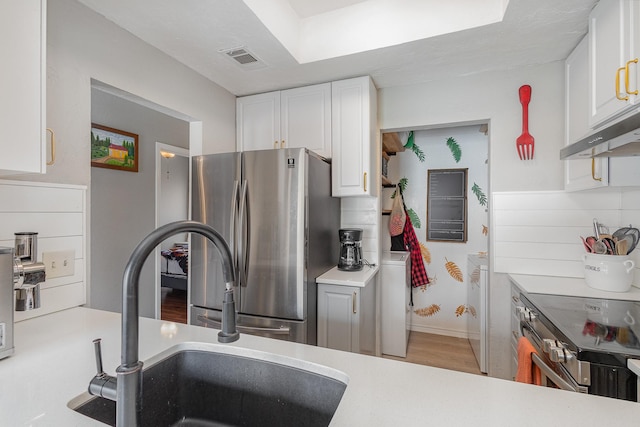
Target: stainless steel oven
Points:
(583, 344)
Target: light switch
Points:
(59, 263)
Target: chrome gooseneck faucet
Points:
(128, 382)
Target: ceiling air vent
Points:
(243, 57)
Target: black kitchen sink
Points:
(205, 389)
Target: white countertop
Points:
(569, 286)
(348, 278)
(54, 362)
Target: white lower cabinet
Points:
(347, 317)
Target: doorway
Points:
(443, 307)
(172, 256)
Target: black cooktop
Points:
(592, 324)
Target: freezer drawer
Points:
(281, 329)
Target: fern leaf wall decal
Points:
(415, 220)
(454, 271)
(426, 255)
(428, 311)
(482, 198)
(455, 149)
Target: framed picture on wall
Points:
(113, 148)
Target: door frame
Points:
(178, 151)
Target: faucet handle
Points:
(97, 347)
(102, 385)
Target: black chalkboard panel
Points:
(447, 205)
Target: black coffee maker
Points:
(350, 249)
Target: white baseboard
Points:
(440, 331)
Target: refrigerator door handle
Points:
(232, 223)
(283, 330)
(243, 236)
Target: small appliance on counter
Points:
(28, 273)
(6, 302)
(350, 249)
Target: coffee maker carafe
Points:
(350, 249)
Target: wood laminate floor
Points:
(424, 349)
(440, 351)
(173, 306)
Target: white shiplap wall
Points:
(539, 232)
(58, 214)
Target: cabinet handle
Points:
(365, 182)
(53, 147)
(515, 299)
(282, 144)
(626, 77)
(275, 144)
(593, 170)
(515, 334)
(621, 98)
(353, 302)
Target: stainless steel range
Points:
(583, 343)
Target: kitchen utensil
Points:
(610, 244)
(591, 241)
(524, 143)
(622, 247)
(599, 247)
(587, 246)
(631, 232)
(596, 228)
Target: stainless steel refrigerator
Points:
(274, 208)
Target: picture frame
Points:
(113, 148)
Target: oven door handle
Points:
(550, 374)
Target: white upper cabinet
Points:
(583, 173)
(258, 122)
(22, 85)
(614, 49)
(598, 172)
(292, 118)
(354, 168)
(306, 118)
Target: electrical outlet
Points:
(59, 263)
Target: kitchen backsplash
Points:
(539, 233)
(363, 212)
(58, 214)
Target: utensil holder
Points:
(613, 273)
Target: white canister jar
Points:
(608, 272)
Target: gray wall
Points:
(123, 203)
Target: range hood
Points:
(620, 139)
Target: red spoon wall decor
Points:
(524, 143)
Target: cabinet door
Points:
(306, 118)
(338, 308)
(609, 50)
(22, 85)
(355, 162)
(584, 173)
(258, 122)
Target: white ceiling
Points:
(194, 31)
